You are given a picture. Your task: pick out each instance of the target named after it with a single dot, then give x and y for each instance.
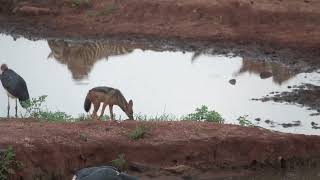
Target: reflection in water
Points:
(80, 57)
(159, 78)
(279, 73)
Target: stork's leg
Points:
(16, 108)
(8, 114)
(111, 111)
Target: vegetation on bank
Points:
(8, 163)
(120, 163)
(139, 132)
(36, 109)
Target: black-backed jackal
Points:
(107, 96)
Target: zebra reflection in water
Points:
(80, 57)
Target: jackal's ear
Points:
(130, 103)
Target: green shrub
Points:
(243, 121)
(120, 163)
(8, 164)
(34, 105)
(203, 114)
(138, 133)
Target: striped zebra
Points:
(80, 57)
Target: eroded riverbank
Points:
(56, 150)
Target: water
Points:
(157, 81)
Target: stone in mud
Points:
(233, 81)
(179, 169)
(265, 75)
(293, 124)
(32, 11)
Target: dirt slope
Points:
(56, 150)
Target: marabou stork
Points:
(101, 173)
(15, 86)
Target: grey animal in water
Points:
(15, 86)
(101, 173)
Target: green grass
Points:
(139, 132)
(161, 117)
(120, 163)
(8, 164)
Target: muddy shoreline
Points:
(282, 31)
(56, 150)
(278, 24)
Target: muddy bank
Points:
(283, 31)
(304, 95)
(56, 150)
(286, 23)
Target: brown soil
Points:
(56, 150)
(286, 23)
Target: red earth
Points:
(56, 150)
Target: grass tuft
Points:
(139, 132)
(120, 163)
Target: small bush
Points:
(120, 163)
(138, 133)
(8, 164)
(243, 121)
(203, 114)
(34, 105)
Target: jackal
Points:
(107, 96)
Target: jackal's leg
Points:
(111, 111)
(95, 110)
(16, 108)
(102, 111)
(8, 114)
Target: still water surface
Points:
(158, 81)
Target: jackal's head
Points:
(129, 110)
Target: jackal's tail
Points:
(87, 103)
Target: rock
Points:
(293, 124)
(265, 75)
(314, 124)
(138, 167)
(233, 81)
(257, 119)
(32, 11)
(179, 169)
